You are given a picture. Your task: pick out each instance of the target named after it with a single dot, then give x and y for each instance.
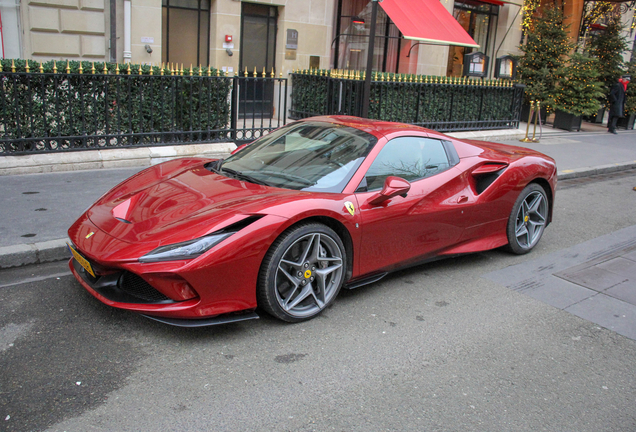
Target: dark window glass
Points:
(410, 158)
(186, 32)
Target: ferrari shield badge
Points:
(350, 208)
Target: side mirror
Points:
(393, 186)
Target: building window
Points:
(477, 19)
(351, 41)
(186, 32)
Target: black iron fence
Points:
(87, 106)
(440, 103)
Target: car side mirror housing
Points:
(393, 186)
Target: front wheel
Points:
(302, 272)
(527, 220)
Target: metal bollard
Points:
(526, 139)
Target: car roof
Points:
(378, 128)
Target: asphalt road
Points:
(433, 348)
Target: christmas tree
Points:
(579, 90)
(608, 48)
(630, 97)
(545, 53)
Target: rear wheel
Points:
(527, 220)
(302, 273)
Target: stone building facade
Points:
(279, 35)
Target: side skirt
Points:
(365, 281)
(223, 319)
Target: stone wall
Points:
(75, 29)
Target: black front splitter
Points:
(222, 319)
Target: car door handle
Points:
(462, 199)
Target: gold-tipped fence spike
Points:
(273, 74)
(54, 66)
(81, 69)
(128, 70)
(218, 72)
(116, 68)
(12, 65)
(2, 70)
(209, 70)
(200, 70)
(245, 73)
(26, 67)
(141, 71)
(105, 70)
(41, 68)
(190, 69)
(68, 67)
(152, 67)
(92, 68)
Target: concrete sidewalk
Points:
(37, 209)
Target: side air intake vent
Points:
(486, 174)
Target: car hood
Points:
(185, 203)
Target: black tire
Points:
(302, 273)
(527, 220)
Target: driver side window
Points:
(411, 158)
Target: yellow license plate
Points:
(81, 260)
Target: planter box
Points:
(626, 122)
(566, 121)
(596, 118)
(525, 112)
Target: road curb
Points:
(107, 158)
(56, 250)
(33, 253)
(592, 171)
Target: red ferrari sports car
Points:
(287, 221)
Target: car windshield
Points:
(308, 156)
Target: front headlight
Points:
(186, 250)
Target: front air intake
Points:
(136, 286)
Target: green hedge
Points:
(45, 102)
(408, 99)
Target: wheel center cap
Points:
(307, 274)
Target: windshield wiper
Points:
(241, 176)
(214, 165)
(291, 177)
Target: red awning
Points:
(500, 2)
(427, 21)
(495, 2)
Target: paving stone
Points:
(593, 277)
(625, 292)
(572, 279)
(620, 266)
(609, 312)
(630, 256)
(559, 293)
